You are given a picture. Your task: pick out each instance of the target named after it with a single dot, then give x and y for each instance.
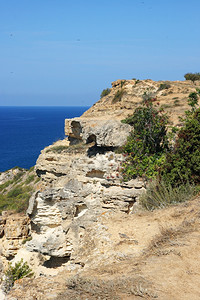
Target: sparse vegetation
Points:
(105, 92)
(5, 185)
(148, 95)
(57, 149)
(16, 199)
(16, 192)
(164, 106)
(118, 96)
(13, 273)
(26, 240)
(30, 179)
(122, 83)
(136, 81)
(177, 102)
(68, 149)
(164, 86)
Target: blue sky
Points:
(66, 52)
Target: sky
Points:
(66, 52)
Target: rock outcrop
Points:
(85, 183)
(81, 175)
(172, 96)
(14, 231)
(105, 133)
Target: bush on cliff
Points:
(147, 150)
(118, 96)
(146, 146)
(183, 163)
(20, 270)
(192, 76)
(160, 194)
(105, 92)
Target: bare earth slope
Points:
(153, 255)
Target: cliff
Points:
(86, 226)
(172, 96)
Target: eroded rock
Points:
(105, 133)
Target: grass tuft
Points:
(160, 195)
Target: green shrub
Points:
(122, 83)
(146, 146)
(31, 169)
(192, 76)
(16, 199)
(183, 163)
(118, 96)
(15, 191)
(13, 273)
(27, 240)
(137, 81)
(17, 176)
(37, 179)
(30, 179)
(159, 194)
(164, 86)
(177, 102)
(105, 92)
(193, 100)
(5, 185)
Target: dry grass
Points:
(79, 287)
(170, 236)
(160, 195)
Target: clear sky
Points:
(66, 52)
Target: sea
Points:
(25, 131)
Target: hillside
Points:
(85, 234)
(171, 95)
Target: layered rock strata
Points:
(83, 179)
(14, 231)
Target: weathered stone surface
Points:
(14, 230)
(105, 133)
(60, 215)
(173, 98)
(85, 182)
(8, 175)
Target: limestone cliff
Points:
(81, 181)
(172, 95)
(81, 184)
(80, 175)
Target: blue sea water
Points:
(25, 131)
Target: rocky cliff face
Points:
(80, 175)
(81, 181)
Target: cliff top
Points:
(126, 95)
